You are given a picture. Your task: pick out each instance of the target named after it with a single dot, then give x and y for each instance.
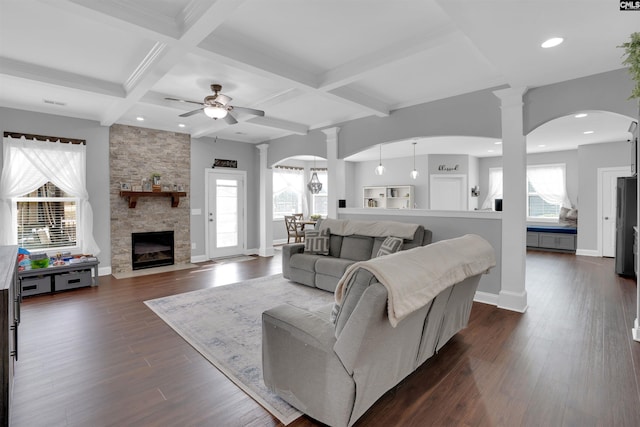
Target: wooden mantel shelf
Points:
(133, 196)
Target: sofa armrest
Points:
(299, 364)
(287, 251)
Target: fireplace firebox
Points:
(151, 249)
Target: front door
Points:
(225, 213)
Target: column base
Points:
(268, 251)
(513, 301)
(635, 331)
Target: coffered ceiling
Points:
(308, 64)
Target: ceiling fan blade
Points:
(183, 100)
(230, 119)
(191, 113)
(249, 111)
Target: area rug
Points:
(225, 325)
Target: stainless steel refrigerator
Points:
(626, 209)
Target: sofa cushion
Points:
(333, 266)
(389, 246)
(357, 248)
(317, 242)
(335, 244)
(306, 262)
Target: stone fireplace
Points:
(135, 154)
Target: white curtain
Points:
(291, 179)
(28, 165)
(495, 188)
(549, 182)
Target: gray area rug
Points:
(225, 325)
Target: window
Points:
(288, 191)
(546, 191)
(47, 218)
(44, 203)
(319, 201)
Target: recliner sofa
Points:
(324, 271)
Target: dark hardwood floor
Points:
(100, 357)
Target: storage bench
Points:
(552, 237)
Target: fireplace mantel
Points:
(133, 196)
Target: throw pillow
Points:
(316, 242)
(389, 246)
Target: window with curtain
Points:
(47, 219)
(44, 203)
(319, 201)
(288, 191)
(546, 191)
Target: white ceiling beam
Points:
(286, 125)
(359, 67)
(66, 79)
(350, 96)
(163, 57)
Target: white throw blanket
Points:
(415, 276)
(345, 227)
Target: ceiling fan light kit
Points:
(217, 106)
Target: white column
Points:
(513, 294)
(266, 202)
(636, 325)
(336, 173)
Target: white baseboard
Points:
(252, 251)
(199, 258)
(587, 252)
(268, 251)
(513, 301)
(280, 242)
(104, 271)
(636, 330)
(486, 298)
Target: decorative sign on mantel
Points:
(446, 168)
(223, 163)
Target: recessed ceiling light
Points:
(489, 151)
(140, 119)
(552, 42)
(181, 125)
(542, 145)
(581, 115)
(588, 132)
(498, 142)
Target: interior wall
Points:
(590, 158)
(203, 152)
(97, 137)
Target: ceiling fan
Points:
(217, 106)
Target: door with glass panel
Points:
(225, 220)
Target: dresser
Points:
(9, 320)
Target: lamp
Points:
(380, 168)
(314, 184)
(414, 172)
(215, 112)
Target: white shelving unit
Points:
(388, 196)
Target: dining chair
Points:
(294, 229)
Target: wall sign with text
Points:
(224, 163)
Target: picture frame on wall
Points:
(125, 186)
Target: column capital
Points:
(511, 97)
(331, 132)
(262, 147)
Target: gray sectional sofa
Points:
(324, 271)
(334, 369)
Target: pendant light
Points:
(314, 184)
(380, 168)
(414, 172)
